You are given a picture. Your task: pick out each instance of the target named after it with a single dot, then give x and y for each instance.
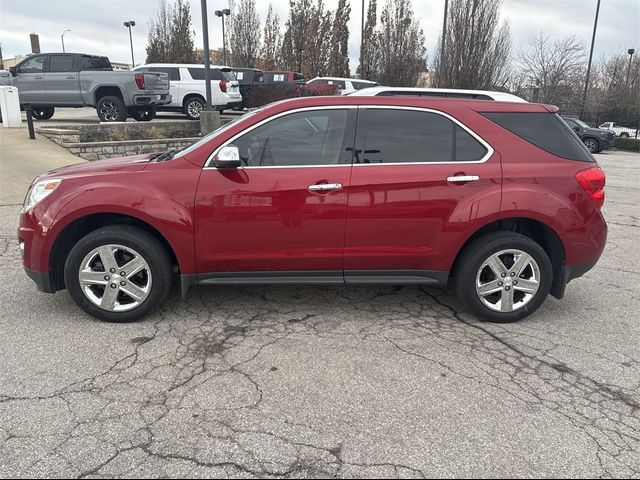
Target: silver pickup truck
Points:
(50, 80)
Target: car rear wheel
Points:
(592, 144)
(624, 135)
(143, 113)
(118, 273)
(42, 113)
(192, 108)
(503, 277)
(111, 109)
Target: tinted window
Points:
(298, 77)
(303, 138)
(94, 63)
(338, 83)
(407, 136)
(61, 63)
(173, 72)
(216, 74)
(360, 85)
(545, 131)
(318, 81)
(33, 65)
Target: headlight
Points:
(39, 191)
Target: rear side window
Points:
(408, 136)
(94, 63)
(216, 74)
(545, 131)
(173, 72)
(61, 63)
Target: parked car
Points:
(50, 80)
(620, 131)
(247, 78)
(344, 85)
(188, 88)
(439, 92)
(595, 139)
(286, 76)
(502, 197)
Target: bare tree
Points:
(554, 69)
(171, 37)
(477, 47)
(244, 34)
(368, 67)
(272, 42)
(339, 55)
(400, 45)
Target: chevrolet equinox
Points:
(500, 198)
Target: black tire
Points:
(193, 106)
(468, 271)
(624, 135)
(111, 109)
(143, 113)
(592, 144)
(143, 243)
(42, 113)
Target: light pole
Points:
(444, 36)
(631, 51)
(62, 38)
(593, 41)
(205, 54)
(222, 13)
(130, 24)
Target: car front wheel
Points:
(42, 113)
(118, 273)
(503, 277)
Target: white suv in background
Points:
(188, 89)
(345, 85)
(439, 92)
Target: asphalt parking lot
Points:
(311, 381)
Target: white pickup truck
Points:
(620, 131)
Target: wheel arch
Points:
(107, 90)
(191, 95)
(538, 231)
(80, 227)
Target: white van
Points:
(187, 87)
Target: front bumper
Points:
(42, 280)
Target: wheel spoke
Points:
(134, 291)
(496, 265)
(108, 300)
(520, 264)
(88, 277)
(506, 302)
(107, 257)
(134, 266)
(489, 288)
(526, 286)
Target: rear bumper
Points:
(151, 99)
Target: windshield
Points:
(581, 123)
(217, 132)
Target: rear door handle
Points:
(38, 77)
(463, 178)
(321, 187)
(71, 77)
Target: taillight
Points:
(140, 81)
(593, 180)
(223, 86)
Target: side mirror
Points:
(227, 157)
(12, 70)
(576, 129)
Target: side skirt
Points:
(317, 277)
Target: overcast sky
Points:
(96, 26)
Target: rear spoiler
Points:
(550, 108)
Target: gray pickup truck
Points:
(50, 80)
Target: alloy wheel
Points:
(194, 109)
(115, 278)
(508, 280)
(109, 111)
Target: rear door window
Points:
(544, 130)
(411, 136)
(61, 63)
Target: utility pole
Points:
(444, 36)
(205, 39)
(130, 24)
(62, 38)
(361, 38)
(593, 41)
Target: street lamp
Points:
(222, 13)
(62, 38)
(130, 24)
(593, 41)
(444, 37)
(631, 51)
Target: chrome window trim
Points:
(484, 143)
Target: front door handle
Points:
(70, 77)
(321, 187)
(38, 77)
(463, 178)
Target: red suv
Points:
(501, 197)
